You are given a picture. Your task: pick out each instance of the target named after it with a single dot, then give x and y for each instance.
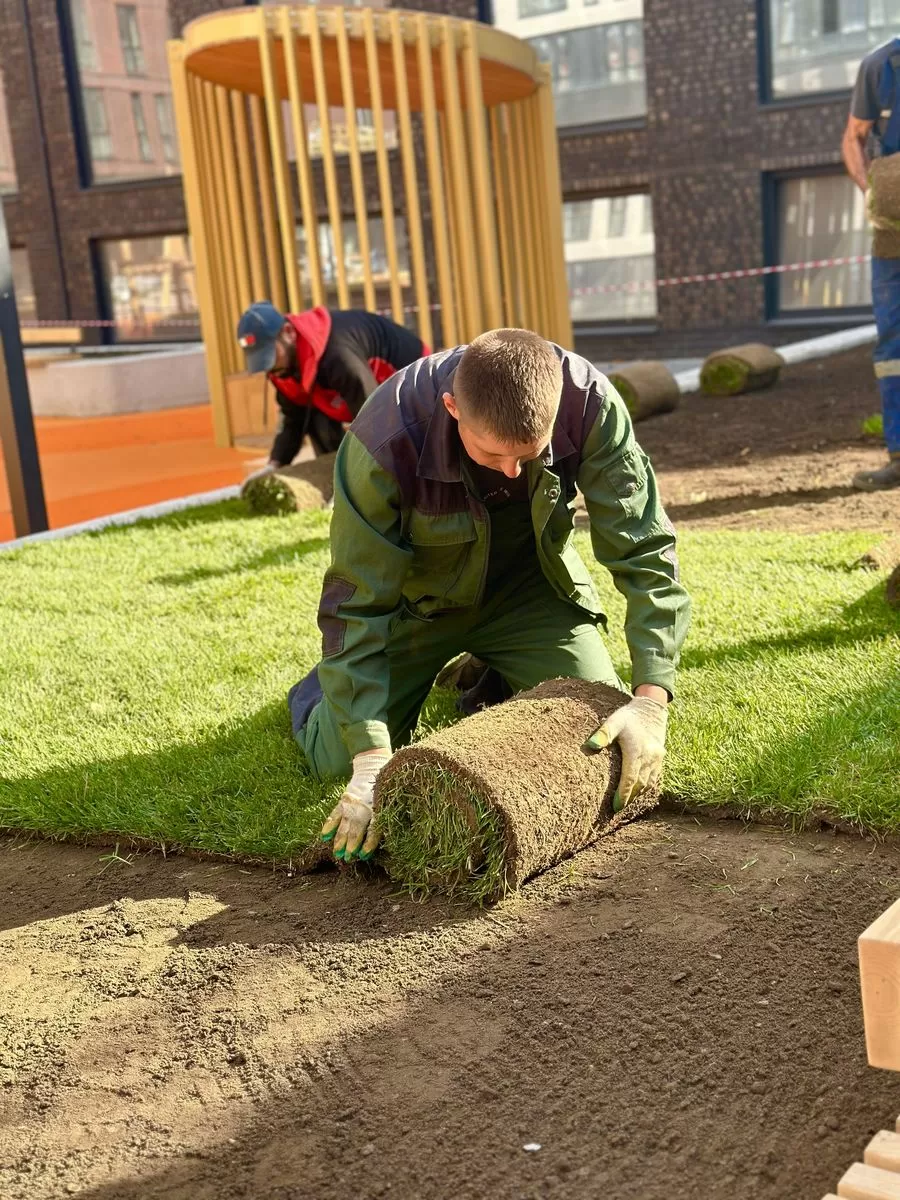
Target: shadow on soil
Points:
(730, 505)
(640, 1031)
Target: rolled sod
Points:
(647, 387)
(476, 809)
(883, 196)
(305, 485)
(740, 369)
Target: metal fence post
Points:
(20, 453)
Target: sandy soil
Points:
(674, 1013)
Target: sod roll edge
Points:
(304, 485)
(647, 387)
(475, 810)
(737, 369)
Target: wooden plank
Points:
(884, 1151)
(862, 1182)
(879, 976)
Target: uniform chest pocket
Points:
(442, 548)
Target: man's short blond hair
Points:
(508, 383)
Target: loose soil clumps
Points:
(476, 809)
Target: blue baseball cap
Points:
(257, 332)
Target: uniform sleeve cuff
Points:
(651, 668)
(366, 735)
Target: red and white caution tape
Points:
(645, 285)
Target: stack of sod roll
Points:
(647, 387)
(740, 369)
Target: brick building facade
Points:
(725, 165)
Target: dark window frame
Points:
(616, 324)
(87, 178)
(767, 97)
(771, 230)
(103, 290)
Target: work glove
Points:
(640, 729)
(268, 469)
(351, 817)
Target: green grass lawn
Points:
(143, 675)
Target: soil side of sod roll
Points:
(647, 387)
(747, 368)
(304, 485)
(476, 809)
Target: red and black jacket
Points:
(342, 356)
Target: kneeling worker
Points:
(323, 365)
(452, 532)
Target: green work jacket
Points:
(410, 539)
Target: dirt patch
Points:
(680, 1003)
(780, 459)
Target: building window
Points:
(353, 260)
(85, 50)
(97, 124)
(166, 122)
(610, 258)
(151, 288)
(130, 39)
(817, 45)
(120, 142)
(145, 150)
(821, 217)
(26, 304)
(595, 49)
(8, 183)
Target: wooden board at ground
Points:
(862, 1182)
(879, 976)
(884, 1151)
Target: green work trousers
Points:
(525, 631)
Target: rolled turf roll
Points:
(740, 369)
(647, 387)
(476, 809)
(883, 196)
(305, 485)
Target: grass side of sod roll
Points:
(144, 670)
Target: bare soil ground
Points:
(674, 1013)
(779, 459)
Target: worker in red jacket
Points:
(323, 364)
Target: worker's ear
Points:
(450, 405)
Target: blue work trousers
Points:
(886, 302)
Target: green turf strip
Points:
(144, 670)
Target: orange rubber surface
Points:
(93, 466)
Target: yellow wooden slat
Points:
(504, 217)
(288, 21)
(284, 199)
(200, 247)
(452, 231)
(249, 207)
(234, 216)
(431, 133)
(556, 240)
(332, 192)
(522, 190)
(382, 162)
(482, 189)
(411, 184)
(276, 288)
(471, 316)
(356, 171)
(228, 303)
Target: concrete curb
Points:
(133, 515)
(688, 381)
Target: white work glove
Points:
(351, 817)
(269, 469)
(640, 729)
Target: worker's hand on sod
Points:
(350, 821)
(262, 472)
(640, 729)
